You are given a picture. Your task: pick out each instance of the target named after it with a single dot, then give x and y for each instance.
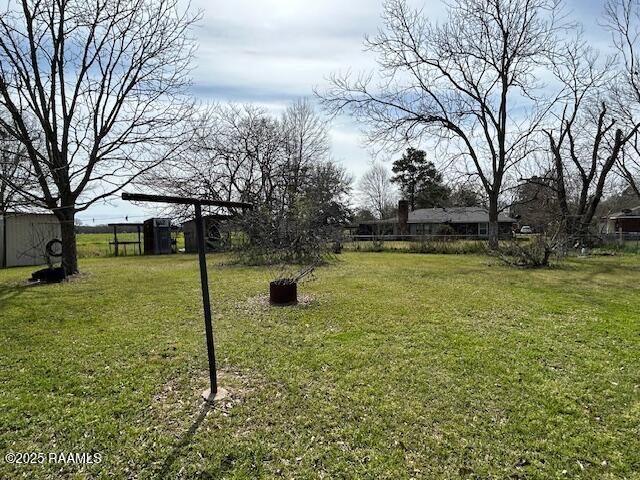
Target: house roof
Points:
(454, 215)
(446, 215)
(628, 213)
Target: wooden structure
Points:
(212, 393)
(213, 238)
(116, 243)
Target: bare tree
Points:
(244, 153)
(301, 232)
(622, 19)
(102, 82)
(629, 167)
(589, 136)
(198, 170)
(306, 140)
(376, 190)
(237, 153)
(469, 82)
(281, 164)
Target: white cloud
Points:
(279, 48)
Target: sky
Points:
(271, 52)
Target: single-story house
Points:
(626, 221)
(467, 221)
(24, 236)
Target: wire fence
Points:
(457, 244)
(621, 242)
(628, 242)
(426, 237)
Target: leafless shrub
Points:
(535, 252)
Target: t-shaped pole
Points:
(213, 393)
(206, 304)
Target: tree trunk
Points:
(561, 190)
(69, 247)
(493, 222)
(3, 203)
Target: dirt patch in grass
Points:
(261, 303)
(79, 277)
(180, 415)
(179, 394)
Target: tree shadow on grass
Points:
(10, 291)
(185, 441)
(594, 269)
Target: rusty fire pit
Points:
(283, 293)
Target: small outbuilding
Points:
(214, 240)
(157, 236)
(24, 236)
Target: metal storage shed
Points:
(23, 237)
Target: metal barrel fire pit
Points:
(282, 293)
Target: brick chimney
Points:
(403, 217)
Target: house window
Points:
(483, 229)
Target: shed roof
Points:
(27, 214)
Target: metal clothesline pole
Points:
(213, 392)
(206, 303)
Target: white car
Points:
(526, 229)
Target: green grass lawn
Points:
(394, 366)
